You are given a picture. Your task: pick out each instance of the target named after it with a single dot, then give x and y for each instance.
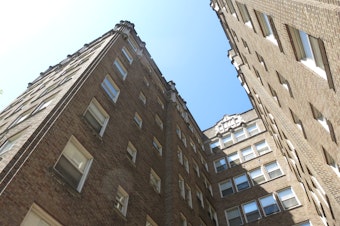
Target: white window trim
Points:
(155, 181)
(239, 212)
(121, 69)
(258, 209)
(124, 194)
(112, 95)
(157, 145)
(41, 214)
(138, 120)
(101, 110)
(84, 152)
(264, 212)
(132, 152)
(292, 195)
(127, 54)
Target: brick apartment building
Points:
(287, 57)
(101, 138)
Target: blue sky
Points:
(184, 37)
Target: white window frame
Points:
(183, 220)
(266, 27)
(186, 163)
(220, 165)
(240, 180)
(155, 181)
(157, 145)
(232, 160)
(244, 14)
(97, 112)
(111, 88)
(256, 174)
(226, 185)
(272, 203)
(10, 143)
(138, 120)
(239, 135)
(132, 43)
(244, 206)
(180, 155)
(43, 104)
(227, 140)
(76, 149)
(308, 51)
(262, 147)
(159, 121)
(181, 185)
(142, 97)
(127, 54)
(215, 145)
(253, 129)
(271, 170)
(248, 154)
(292, 195)
(150, 221)
(238, 212)
(21, 118)
(121, 201)
(199, 196)
(318, 116)
(121, 69)
(196, 168)
(131, 152)
(188, 195)
(37, 216)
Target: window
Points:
(241, 182)
(220, 165)
(310, 51)
(180, 155)
(37, 216)
(74, 164)
(231, 7)
(178, 132)
(69, 76)
(253, 129)
(233, 159)
(227, 140)
(160, 103)
(127, 54)
(269, 205)
(329, 159)
(181, 186)
(199, 196)
(262, 147)
(184, 140)
(244, 14)
(186, 163)
(159, 122)
(121, 69)
(226, 188)
(133, 44)
(155, 181)
(21, 118)
(234, 217)
(142, 97)
(215, 146)
(284, 83)
(193, 146)
(49, 89)
(183, 220)
(261, 61)
(9, 143)
(111, 88)
(239, 135)
(157, 145)
(121, 202)
(267, 27)
(196, 168)
(247, 153)
(188, 195)
(305, 223)
(273, 170)
(131, 152)
(150, 222)
(287, 198)
(97, 117)
(138, 120)
(298, 122)
(251, 211)
(257, 176)
(321, 119)
(43, 104)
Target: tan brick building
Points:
(287, 57)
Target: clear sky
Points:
(184, 37)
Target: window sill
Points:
(311, 65)
(272, 39)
